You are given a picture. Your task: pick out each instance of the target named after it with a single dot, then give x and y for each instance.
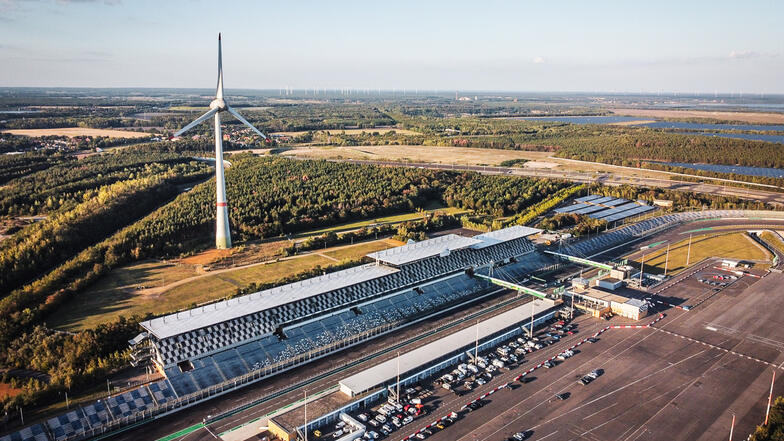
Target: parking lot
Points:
(682, 379)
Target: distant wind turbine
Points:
(218, 105)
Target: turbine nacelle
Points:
(219, 104)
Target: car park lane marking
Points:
(720, 348)
(606, 328)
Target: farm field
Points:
(732, 246)
(78, 131)
(444, 155)
(749, 117)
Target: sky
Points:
(540, 46)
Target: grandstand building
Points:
(305, 320)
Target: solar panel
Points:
(588, 198)
(615, 202)
(629, 213)
(589, 209)
(601, 200)
(616, 210)
(569, 208)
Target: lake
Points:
(769, 138)
(672, 126)
(737, 169)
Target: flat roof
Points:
(422, 250)
(504, 235)
(192, 319)
(387, 371)
(599, 294)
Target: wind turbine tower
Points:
(218, 105)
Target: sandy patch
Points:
(540, 165)
(749, 117)
(78, 131)
(418, 153)
(632, 123)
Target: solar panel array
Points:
(606, 208)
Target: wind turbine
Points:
(218, 105)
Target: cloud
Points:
(538, 60)
(743, 54)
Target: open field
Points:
(153, 287)
(733, 245)
(417, 153)
(78, 131)
(380, 131)
(749, 117)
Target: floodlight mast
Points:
(218, 105)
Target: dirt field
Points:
(380, 131)
(6, 391)
(444, 155)
(78, 131)
(749, 117)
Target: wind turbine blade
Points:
(219, 93)
(244, 121)
(196, 122)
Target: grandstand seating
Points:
(217, 337)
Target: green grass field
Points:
(732, 246)
(118, 294)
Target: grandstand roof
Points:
(422, 250)
(504, 235)
(185, 321)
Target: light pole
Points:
(531, 331)
(642, 267)
(476, 346)
(688, 252)
(667, 259)
(770, 398)
(732, 426)
(397, 384)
